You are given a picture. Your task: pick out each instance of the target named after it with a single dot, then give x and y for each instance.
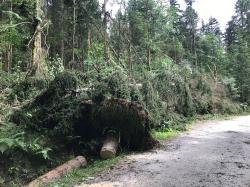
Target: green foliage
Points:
(170, 89)
(95, 55)
(53, 108)
(111, 82)
(60, 112)
(8, 81)
(27, 89)
(15, 30)
(163, 70)
(237, 41)
(14, 139)
(55, 66)
(211, 55)
(7, 144)
(232, 87)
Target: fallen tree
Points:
(64, 114)
(59, 172)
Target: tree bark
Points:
(62, 35)
(88, 47)
(10, 52)
(109, 147)
(148, 38)
(130, 53)
(59, 172)
(105, 25)
(37, 55)
(74, 33)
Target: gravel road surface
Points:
(212, 154)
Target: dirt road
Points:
(215, 153)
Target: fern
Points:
(11, 141)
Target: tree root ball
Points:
(123, 116)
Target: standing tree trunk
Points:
(130, 59)
(105, 25)
(57, 47)
(88, 47)
(38, 55)
(194, 48)
(74, 32)
(148, 38)
(119, 32)
(9, 58)
(62, 31)
(62, 49)
(10, 47)
(119, 38)
(130, 53)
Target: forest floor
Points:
(213, 153)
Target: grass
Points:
(82, 175)
(165, 135)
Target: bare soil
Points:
(212, 154)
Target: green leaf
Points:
(9, 142)
(44, 153)
(3, 147)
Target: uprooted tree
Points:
(65, 113)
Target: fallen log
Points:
(109, 147)
(59, 172)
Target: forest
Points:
(73, 73)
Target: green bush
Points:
(27, 89)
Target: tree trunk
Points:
(130, 54)
(105, 25)
(119, 35)
(88, 47)
(74, 33)
(148, 38)
(10, 52)
(9, 58)
(59, 172)
(62, 35)
(62, 51)
(109, 147)
(38, 56)
(149, 57)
